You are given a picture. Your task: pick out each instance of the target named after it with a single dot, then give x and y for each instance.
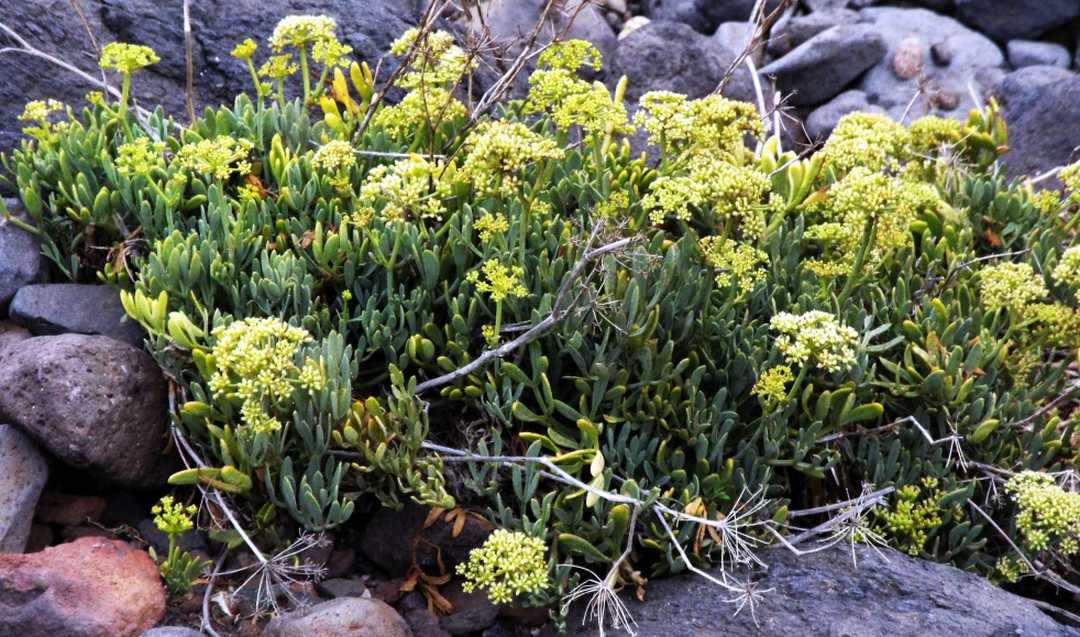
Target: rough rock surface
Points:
(821, 67)
(92, 401)
(171, 631)
(73, 308)
(952, 58)
(11, 333)
(702, 15)
(217, 25)
(91, 587)
(21, 262)
(1033, 53)
(823, 594)
(1042, 106)
(823, 119)
(343, 617)
(23, 473)
(388, 538)
(1006, 19)
(671, 56)
(790, 33)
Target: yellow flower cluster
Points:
(278, 67)
(865, 139)
(409, 188)
(735, 263)
(1010, 285)
(330, 52)
(334, 156)
(863, 195)
(1048, 516)
(419, 110)
(929, 134)
(498, 151)
(255, 363)
(1070, 176)
(218, 157)
(915, 512)
(126, 58)
(1067, 270)
(713, 124)
(594, 110)
(771, 386)
(39, 110)
(139, 157)
(1058, 324)
(244, 50)
(437, 61)
(614, 207)
(301, 30)
(569, 55)
(489, 225)
(508, 564)
(173, 518)
(815, 338)
(733, 192)
(499, 281)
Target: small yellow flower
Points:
(508, 564)
(334, 156)
(301, 30)
(139, 157)
(244, 50)
(39, 110)
(218, 157)
(173, 518)
(126, 58)
(489, 225)
(771, 386)
(498, 280)
(815, 338)
(1010, 285)
(278, 67)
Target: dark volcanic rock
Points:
(389, 536)
(21, 262)
(73, 308)
(1042, 106)
(217, 25)
(671, 56)
(1032, 53)
(788, 34)
(824, 594)
(821, 67)
(821, 122)
(703, 15)
(95, 403)
(1007, 19)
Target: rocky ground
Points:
(84, 444)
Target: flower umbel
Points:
(126, 58)
(509, 564)
(815, 338)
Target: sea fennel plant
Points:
(641, 366)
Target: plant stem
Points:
(304, 72)
(860, 260)
(125, 92)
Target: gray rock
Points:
(23, 473)
(821, 67)
(74, 308)
(342, 587)
(952, 57)
(1008, 19)
(821, 122)
(473, 612)
(511, 20)
(703, 15)
(1033, 53)
(21, 261)
(217, 25)
(171, 631)
(733, 36)
(825, 594)
(93, 402)
(1042, 106)
(11, 333)
(344, 617)
(673, 57)
(788, 34)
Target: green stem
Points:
(860, 260)
(255, 81)
(798, 382)
(125, 92)
(281, 92)
(304, 72)
(498, 319)
(391, 263)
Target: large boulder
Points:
(1042, 106)
(11, 333)
(21, 262)
(342, 617)
(217, 25)
(390, 537)
(941, 61)
(1033, 53)
(671, 56)
(824, 593)
(791, 32)
(74, 308)
(703, 15)
(821, 122)
(1007, 19)
(97, 404)
(92, 587)
(820, 68)
(23, 473)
